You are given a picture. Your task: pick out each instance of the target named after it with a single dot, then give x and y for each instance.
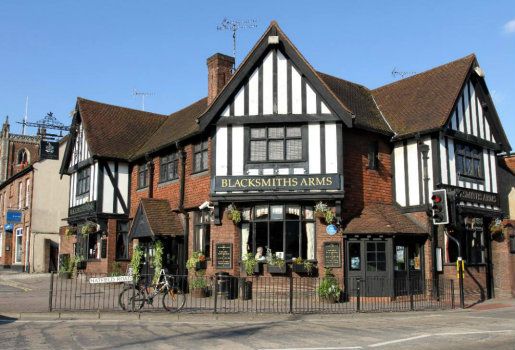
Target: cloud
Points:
(510, 27)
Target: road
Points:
(470, 329)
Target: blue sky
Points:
(54, 51)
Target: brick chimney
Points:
(219, 68)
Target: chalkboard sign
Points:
(332, 254)
(223, 254)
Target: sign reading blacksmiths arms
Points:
(277, 182)
(474, 196)
(49, 150)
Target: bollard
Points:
(358, 294)
(51, 291)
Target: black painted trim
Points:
(231, 108)
(303, 94)
(277, 119)
(282, 196)
(117, 192)
(460, 136)
(392, 165)
(435, 160)
(82, 164)
(446, 139)
(100, 187)
(115, 200)
(341, 148)
(420, 175)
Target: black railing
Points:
(227, 294)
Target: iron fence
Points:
(260, 294)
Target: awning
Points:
(383, 219)
(155, 218)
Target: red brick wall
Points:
(504, 262)
(363, 185)
(14, 147)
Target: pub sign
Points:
(49, 150)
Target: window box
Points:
(276, 269)
(304, 268)
(199, 293)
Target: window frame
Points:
(472, 153)
(202, 223)
(284, 139)
(203, 150)
(119, 231)
(302, 220)
(83, 182)
(143, 181)
(18, 233)
(166, 162)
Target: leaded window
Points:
(169, 167)
(143, 176)
(122, 240)
(277, 143)
(83, 181)
(200, 156)
(468, 161)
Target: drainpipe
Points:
(182, 159)
(433, 230)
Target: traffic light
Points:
(439, 207)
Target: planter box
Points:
(199, 293)
(201, 265)
(300, 268)
(330, 299)
(276, 269)
(65, 275)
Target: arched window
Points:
(23, 156)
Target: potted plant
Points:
(65, 268)
(70, 230)
(88, 227)
(303, 266)
(196, 262)
(329, 290)
(80, 262)
(233, 213)
(250, 264)
(198, 287)
(275, 264)
(322, 211)
(496, 229)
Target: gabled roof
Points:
(358, 99)
(423, 101)
(155, 218)
(252, 59)
(176, 127)
(382, 219)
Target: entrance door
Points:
(369, 260)
(408, 267)
(53, 256)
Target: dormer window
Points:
(277, 143)
(468, 161)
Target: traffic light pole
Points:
(459, 266)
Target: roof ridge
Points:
(121, 107)
(469, 56)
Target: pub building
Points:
(275, 139)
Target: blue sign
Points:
(331, 230)
(13, 216)
(9, 227)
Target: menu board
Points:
(223, 255)
(332, 254)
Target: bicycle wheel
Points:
(173, 300)
(127, 295)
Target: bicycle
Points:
(132, 298)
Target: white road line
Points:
(322, 348)
(475, 332)
(399, 340)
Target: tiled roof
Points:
(116, 132)
(508, 162)
(177, 126)
(359, 100)
(160, 217)
(382, 219)
(423, 101)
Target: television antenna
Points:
(401, 74)
(234, 26)
(142, 94)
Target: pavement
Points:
(490, 325)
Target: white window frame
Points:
(27, 193)
(19, 233)
(20, 195)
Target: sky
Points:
(56, 51)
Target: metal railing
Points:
(260, 294)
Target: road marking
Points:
(399, 340)
(322, 348)
(475, 332)
(14, 285)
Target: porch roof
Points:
(154, 217)
(382, 219)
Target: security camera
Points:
(205, 205)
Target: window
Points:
(94, 246)
(287, 230)
(19, 245)
(23, 157)
(122, 240)
(468, 161)
(473, 248)
(169, 167)
(276, 144)
(373, 150)
(376, 256)
(200, 156)
(27, 193)
(202, 238)
(143, 176)
(83, 180)
(355, 256)
(20, 195)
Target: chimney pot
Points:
(219, 68)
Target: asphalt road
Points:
(470, 329)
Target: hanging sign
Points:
(13, 216)
(9, 227)
(331, 229)
(49, 150)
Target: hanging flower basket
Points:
(233, 214)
